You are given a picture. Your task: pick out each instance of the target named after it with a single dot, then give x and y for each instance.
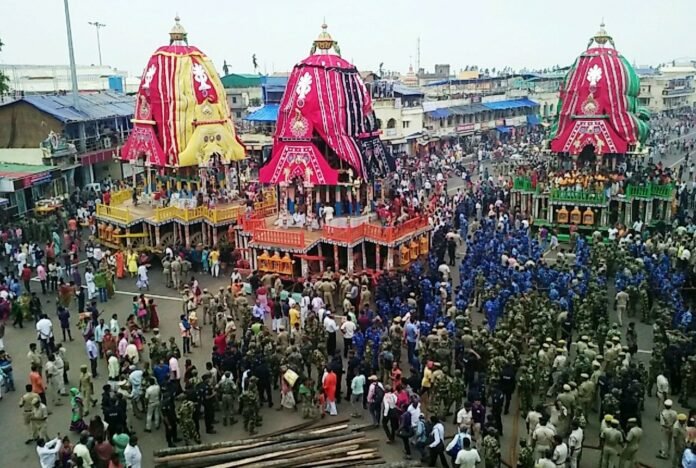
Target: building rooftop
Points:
(96, 106)
(241, 80)
(17, 171)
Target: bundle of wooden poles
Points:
(325, 444)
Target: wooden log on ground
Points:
(217, 451)
(287, 454)
(196, 460)
(246, 461)
(402, 464)
(345, 460)
(311, 457)
(233, 443)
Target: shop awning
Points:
(267, 113)
(441, 113)
(533, 119)
(468, 109)
(503, 129)
(510, 104)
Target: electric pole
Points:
(97, 25)
(71, 52)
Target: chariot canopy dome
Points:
(181, 114)
(325, 114)
(598, 102)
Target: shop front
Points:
(25, 185)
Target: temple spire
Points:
(324, 42)
(601, 37)
(178, 35)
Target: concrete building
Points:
(54, 79)
(669, 89)
(467, 88)
(464, 117)
(543, 88)
(399, 113)
(81, 142)
(442, 72)
(243, 91)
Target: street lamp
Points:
(97, 25)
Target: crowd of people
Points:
(415, 352)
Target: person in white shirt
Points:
(317, 303)
(132, 453)
(152, 397)
(662, 391)
(560, 451)
(357, 388)
(48, 451)
(545, 462)
(575, 440)
(331, 328)
(114, 327)
(44, 329)
(81, 451)
(415, 410)
(437, 446)
(390, 417)
(468, 456)
(348, 328)
(143, 281)
(532, 420)
(464, 417)
(174, 371)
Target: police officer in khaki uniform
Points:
(679, 439)
(613, 442)
(39, 419)
(667, 419)
(27, 405)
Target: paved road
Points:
(15, 453)
(16, 342)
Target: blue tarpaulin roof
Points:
(503, 129)
(533, 119)
(96, 106)
(510, 104)
(439, 113)
(267, 113)
(406, 91)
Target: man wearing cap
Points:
(679, 439)
(39, 419)
(542, 438)
(586, 392)
(622, 298)
(577, 436)
(613, 441)
(633, 437)
(668, 417)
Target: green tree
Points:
(4, 79)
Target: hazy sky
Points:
(532, 33)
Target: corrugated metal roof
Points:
(440, 113)
(510, 104)
(95, 106)
(267, 113)
(17, 171)
(241, 80)
(468, 109)
(406, 91)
